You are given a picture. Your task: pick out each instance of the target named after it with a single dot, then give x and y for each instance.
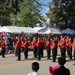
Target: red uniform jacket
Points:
(61, 40)
(39, 44)
(53, 46)
(42, 43)
(56, 41)
(34, 42)
(63, 44)
(47, 43)
(67, 42)
(3, 44)
(26, 44)
(74, 45)
(18, 43)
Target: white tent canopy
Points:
(15, 29)
(28, 30)
(47, 30)
(68, 31)
(36, 29)
(42, 30)
(55, 31)
(4, 29)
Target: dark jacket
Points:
(62, 71)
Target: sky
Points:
(44, 8)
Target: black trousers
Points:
(3, 52)
(48, 52)
(74, 54)
(26, 53)
(42, 51)
(63, 51)
(56, 49)
(18, 53)
(35, 52)
(54, 54)
(67, 49)
(39, 53)
(70, 52)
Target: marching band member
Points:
(18, 48)
(48, 43)
(26, 45)
(54, 51)
(63, 48)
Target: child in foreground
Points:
(35, 68)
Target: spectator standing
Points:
(62, 70)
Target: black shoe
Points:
(3, 56)
(53, 61)
(48, 58)
(18, 60)
(39, 59)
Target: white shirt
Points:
(33, 73)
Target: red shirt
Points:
(53, 45)
(18, 43)
(39, 44)
(42, 43)
(3, 44)
(67, 42)
(63, 44)
(61, 40)
(74, 45)
(0, 44)
(22, 45)
(34, 42)
(47, 43)
(56, 41)
(26, 44)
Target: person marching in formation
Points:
(67, 45)
(54, 51)
(63, 47)
(34, 47)
(74, 50)
(26, 45)
(18, 48)
(70, 49)
(48, 44)
(37, 44)
(42, 47)
(39, 49)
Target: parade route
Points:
(9, 65)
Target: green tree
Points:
(4, 13)
(64, 12)
(29, 14)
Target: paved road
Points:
(9, 65)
